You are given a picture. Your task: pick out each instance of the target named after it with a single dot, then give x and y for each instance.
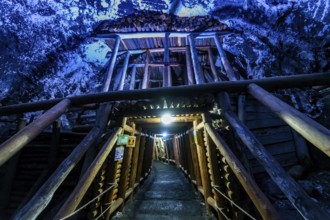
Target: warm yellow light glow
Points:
(167, 119)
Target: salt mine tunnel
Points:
(181, 109)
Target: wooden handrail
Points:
(307, 127)
(265, 208)
(308, 208)
(272, 83)
(84, 183)
(10, 147)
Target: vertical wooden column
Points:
(135, 162)
(124, 177)
(141, 157)
(167, 79)
(176, 152)
(197, 68)
(133, 75)
(189, 155)
(195, 161)
(212, 65)
(124, 71)
(229, 70)
(190, 73)
(146, 74)
(202, 164)
(113, 58)
(213, 166)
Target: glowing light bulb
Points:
(167, 119)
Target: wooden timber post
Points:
(176, 152)
(113, 59)
(133, 75)
(141, 157)
(124, 176)
(190, 157)
(213, 167)
(190, 73)
(136, 159)
(202, 164)
(124, 71)
(167, 79)
(314, 132)
(229, 70)
(196, 66)
(212, 65)
(146, 73)
(193, 149)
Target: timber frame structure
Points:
(221, 119)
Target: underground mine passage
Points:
(175, 110)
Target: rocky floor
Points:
(166, 194)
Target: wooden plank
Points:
(141, 158)
(136, 159)
(314, 132)
(212, 65)
(266, 123)
(273, 135)
(195, 160)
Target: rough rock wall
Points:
(45, 51)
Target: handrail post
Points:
(10, 147)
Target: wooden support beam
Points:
(212, 65)
(135, 160)
(314, 132)
(308, 208)
(202, 165)
(113, 59)
(200, 126)
(229, 70)
(167, 68)
(124, 71)
(133, 76)
(141, 158)
(146, 74)
(195, 161)
(84, 183)
(114, 206)
(181, 119)
(129, 129)
(265, 208)
(271, 83)
(196, 65)
(199, 35)
(190, 73)
(11, 146)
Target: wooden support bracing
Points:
(229, 70)
(196, 65)
(84, 183)
(124, 71)
(212, 65)
(314, 132)
(10, 147)
(308, 208)
(167, 68)
(190, 73)
(202, 164)
(261, 202)
(146, 73)
(133, 75)
(113, 59)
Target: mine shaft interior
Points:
(172, 130)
